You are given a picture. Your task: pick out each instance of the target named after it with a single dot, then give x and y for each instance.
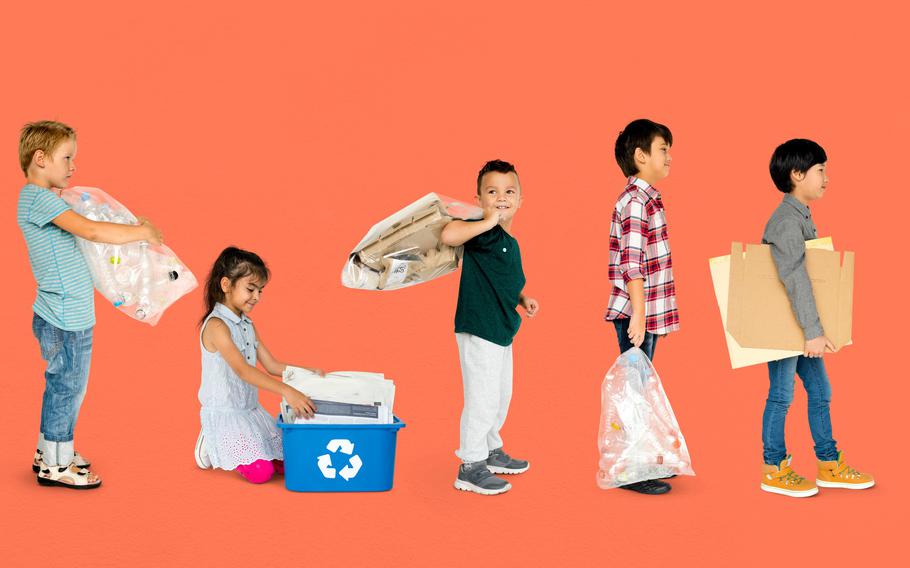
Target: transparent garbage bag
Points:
(639, 437)
(404, 249)
(139, 279)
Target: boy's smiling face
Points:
(501, 192)
(811, 184)
(655, 166)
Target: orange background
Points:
(290, 129)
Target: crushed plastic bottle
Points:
(638, 438)
(138, 279)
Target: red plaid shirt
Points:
(640, 248)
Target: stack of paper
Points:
(342, 397)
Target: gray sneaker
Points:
(501, 462)
(477, 478)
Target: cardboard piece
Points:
(758, 309)
(404, 249)
(419, 232)
(402, 269)
(743, 356)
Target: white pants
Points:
(486, 371)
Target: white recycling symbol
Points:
(348, 471)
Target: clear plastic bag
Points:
(139, 279)
(405, 249)
(639, 437)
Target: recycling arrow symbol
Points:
(349, 471)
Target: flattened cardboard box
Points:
(759, 314)
(398, 270)
(745, 356)
(417, 232)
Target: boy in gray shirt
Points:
(798, 170)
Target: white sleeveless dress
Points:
(237, 430)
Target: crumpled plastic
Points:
(638, 438)
(404, 249)
(139, 279)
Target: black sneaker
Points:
(648, 487)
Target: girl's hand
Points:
(530, 305)
(316, 370)
(301, 403)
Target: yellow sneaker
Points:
(784, 481)
(839, 474)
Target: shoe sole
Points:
(200, 463)
(506, 470)
(52, 483)
(841, 485)
(788, 492)
(646, 491)
(465, 486)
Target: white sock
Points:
(58, 453)
(65, 453)
(49, 453)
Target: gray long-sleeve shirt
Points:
(787, 231)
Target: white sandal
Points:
(78, 460)
(69, 476)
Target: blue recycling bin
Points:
(339, 457)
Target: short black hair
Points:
(495, 166)
(797, 155)
(638, 134)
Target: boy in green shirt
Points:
(491, 287)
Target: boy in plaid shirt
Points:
(642, 302)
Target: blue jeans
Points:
(780, 394)
(68, 355)
(622, 334)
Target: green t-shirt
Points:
(491, 283)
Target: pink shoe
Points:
(259, 471)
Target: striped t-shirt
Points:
(66, 296)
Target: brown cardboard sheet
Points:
(759, 313)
